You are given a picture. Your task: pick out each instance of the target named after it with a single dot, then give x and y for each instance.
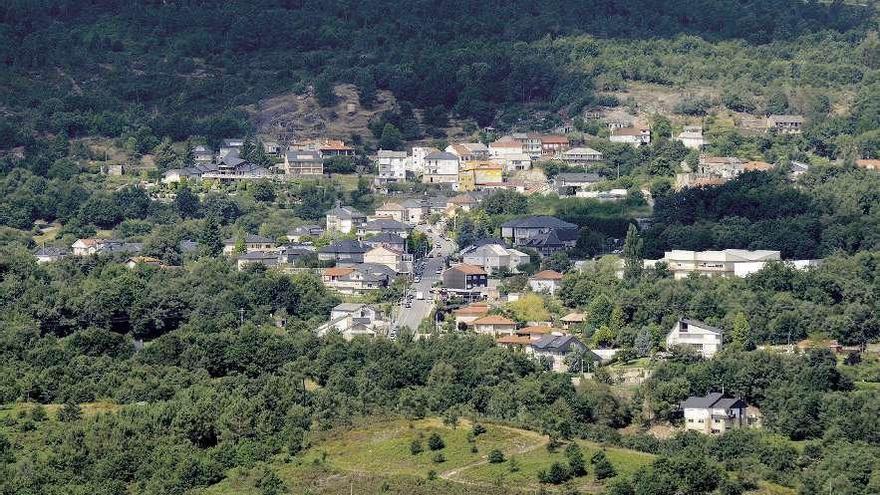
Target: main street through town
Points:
(421, 308)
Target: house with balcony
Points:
(553, 146)
(581, 156)
(441, 167)
(711, 263)
(391, 166)
(303, 163)
(702, 338)
(493, 325)
(715, 414)
(465, 277)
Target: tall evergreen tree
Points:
(633, 264)
(209, 237)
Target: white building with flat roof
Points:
(711, 263)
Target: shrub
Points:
(556, 475)
(415, 447)
(603, 467)
(439, 457)
(435, 442)
(496, 457)
(478, 429)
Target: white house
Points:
(556, 348)
(715, 414)
(548, 281)
(354, 319)
(692, 137)
(492, 257)
(392, 166)
(711, 263)
(703, 338)
(344, 219)
(417, 164)
(635, 136)
(581, 156)
(441, 167)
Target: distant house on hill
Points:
(704, 339)
(252, 243)
(715, 414)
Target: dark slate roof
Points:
(345, 212)
(306, 229)
(578, 177)
(51, 251)
(375, 268)
(698, 323)
(538, 222)
(557, 343)
(345, 246)
(715, 400)
(385, 224)
(251, 239)
(440, 155)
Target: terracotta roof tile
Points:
(493, 320)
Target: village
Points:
(393, 286)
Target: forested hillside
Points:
(152, 69)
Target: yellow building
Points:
(474, 174)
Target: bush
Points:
(435, 442)
(496, 456)
(556, 475)
(602, 466)
(70, 412)
(415, 447)
(478, 429)
(439, 458)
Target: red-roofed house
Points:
(494, 325)
(546, 281)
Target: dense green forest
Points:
(208, 369)
(152, 69)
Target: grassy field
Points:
(530, 463)
(376, 458)
(22, 409)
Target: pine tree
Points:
(742, 333)
(209, 237)
(240, 244)
(188, 157)
(247, 149)
(165, 156)
(633, 264)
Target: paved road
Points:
(412, 317)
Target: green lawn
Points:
(385, 447)
(624, 461)
(376, 458)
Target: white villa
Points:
(703, 338)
